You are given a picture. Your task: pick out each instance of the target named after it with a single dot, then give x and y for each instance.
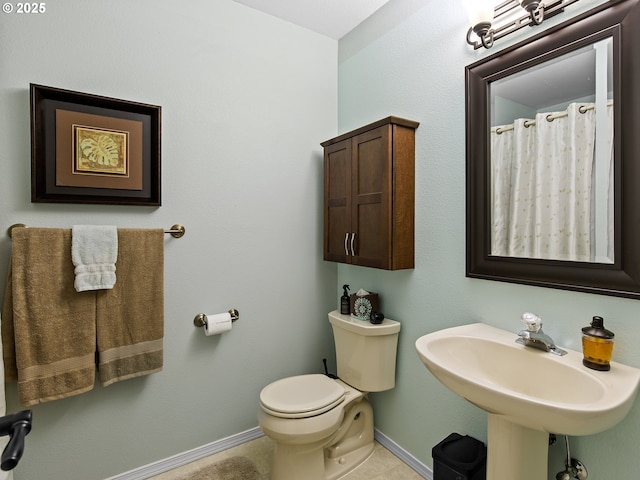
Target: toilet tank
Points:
(365, 353)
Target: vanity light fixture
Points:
(490, 22)
(480, 17)
(535, 9)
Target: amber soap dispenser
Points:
(597, 345)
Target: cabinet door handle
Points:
(353, 237)
(346, 247)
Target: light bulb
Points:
(479, 11)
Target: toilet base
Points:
(348, 448)
(290, 463)
(335, 468)
(293, 462)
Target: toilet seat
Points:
(301, 396)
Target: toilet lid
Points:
(301, 396)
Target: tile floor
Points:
(383, 465)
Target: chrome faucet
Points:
(533, 336)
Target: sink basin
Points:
(533, 388)
(527, 392)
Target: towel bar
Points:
(201, 319)
(176, 231)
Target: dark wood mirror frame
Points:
(620, 20)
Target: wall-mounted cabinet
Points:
(369, 189)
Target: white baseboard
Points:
(419, 467)
(183, 458)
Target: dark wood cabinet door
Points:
(337, 202)
(371, 194)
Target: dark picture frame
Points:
(91, 149)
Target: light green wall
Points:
(414, 68)
(246, 101)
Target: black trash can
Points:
(459, 457)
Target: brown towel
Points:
(8, 337)
(53, 326)
(50, 331)
(130, 317)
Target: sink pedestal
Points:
(515, 451)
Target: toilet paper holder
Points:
(200, 319)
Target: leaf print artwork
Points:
(100, 151)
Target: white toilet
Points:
(323, 427)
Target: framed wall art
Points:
(91, 149)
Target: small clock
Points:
(362, 308)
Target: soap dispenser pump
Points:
(597, 345)
(345, 304)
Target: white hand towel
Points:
(94, 251)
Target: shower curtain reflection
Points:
(542, 185)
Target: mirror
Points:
(553, 157)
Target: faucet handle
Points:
(532, 321)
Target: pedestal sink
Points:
(528, 393)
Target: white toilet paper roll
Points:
(217, 323)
